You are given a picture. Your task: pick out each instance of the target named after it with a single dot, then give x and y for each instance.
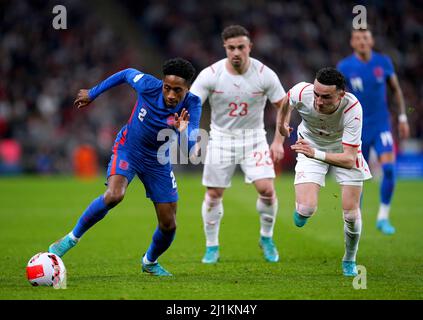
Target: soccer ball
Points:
(46, 269)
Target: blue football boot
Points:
(385, 226)
(349, 268)
(61, 246)
(211, 255)
(155, 269)
(269, 249)
(299, 220)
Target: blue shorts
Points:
(380, 138)
(159, 180)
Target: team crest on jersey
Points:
(123, 165)
(378, 73)
(170, 120)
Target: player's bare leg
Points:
(162, 238)
(352, 227)
(212, 213)
(306, 199)
(387, 162)
(267, 207)
(96, 211)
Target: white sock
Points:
(352, 232)
(212, 212)
(72, 236)
(383, 211)
(267, 207)
(146, 261)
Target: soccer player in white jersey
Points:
(329, 134)
(237, 88)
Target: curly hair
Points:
(179, 67)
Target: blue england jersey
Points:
(367, 81)
(150, 114)
(138, 143)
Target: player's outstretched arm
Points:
(346, 159)
(82, 99)
(130, 76)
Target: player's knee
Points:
(215, 193)
(113, 197)
(352, 215)
(306, 210)
(268, 196)
(213, 200)
(168, 226)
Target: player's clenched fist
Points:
(82, 99)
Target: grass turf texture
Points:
(105, 265)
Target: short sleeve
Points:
(202, 86)
(141, 82)
(389, 67)
(296, 92)
(353, 122)
(273, 87)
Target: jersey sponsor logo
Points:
(138, 77)
(356, 84)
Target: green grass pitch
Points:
(36, 211)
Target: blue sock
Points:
(388, 183)
(93, 214)
(161, 241)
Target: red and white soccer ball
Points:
(46, 269)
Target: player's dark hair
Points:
(179, 67)
(234, 31)
(330, 76)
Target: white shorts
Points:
(312, 170)
(224, 153)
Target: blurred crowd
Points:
(41, 69)
(295, 38)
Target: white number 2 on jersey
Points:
(142, 114)
(173, 180)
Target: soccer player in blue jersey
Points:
(367, 73)
(161, 104)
